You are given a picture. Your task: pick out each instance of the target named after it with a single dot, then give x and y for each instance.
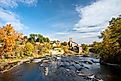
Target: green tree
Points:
(85, 48)
(29, 49)
(110, 47)
(64, 43)
(47, 39)
(32, 38)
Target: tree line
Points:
(15, 44)
(109, 48)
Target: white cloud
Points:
(6, 16)
(77, 37)
(62, 33)
(95, 17)
(15, 3)
(11, 18)
(84, 37)
(98, 13)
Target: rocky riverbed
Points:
(61, 68)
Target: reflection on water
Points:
(49, 67)
(7, 77)
(110, 73)
(48, 70)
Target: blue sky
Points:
(83, 20)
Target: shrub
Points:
(28, 49)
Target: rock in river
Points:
(37, 60)
(77, 66)
(72, 68)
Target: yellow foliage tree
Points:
(29, 48)
(8, 37)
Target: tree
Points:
(47, 39)
(38, 38)
(85, 48)
(66, 49)
(8, 37)
(64, 43)
(29, 49)
(110, 47)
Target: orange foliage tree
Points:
(8, 37)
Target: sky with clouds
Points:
(82, 20)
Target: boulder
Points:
(72, 68)
(37, 60)
(77, 66)
(95, 60)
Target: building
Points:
(74, 46)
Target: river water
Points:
(66, 68)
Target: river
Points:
(66, 68)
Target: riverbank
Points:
(8, 64)
(116, 66)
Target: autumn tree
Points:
(8, 38)
(110, 47)
(28, 49)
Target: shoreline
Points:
(7, 66)
(110, 64)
